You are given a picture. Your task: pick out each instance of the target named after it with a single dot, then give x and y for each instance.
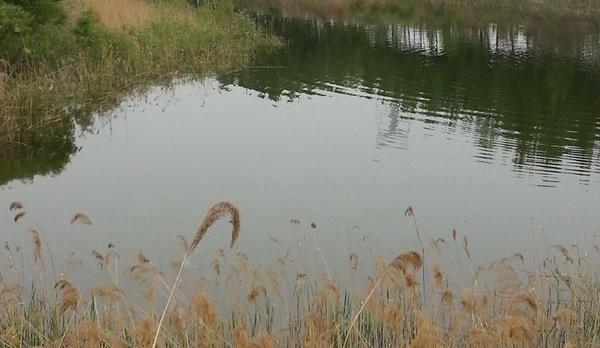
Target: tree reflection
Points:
(533, 98)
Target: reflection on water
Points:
(523, 98)
(44, 152)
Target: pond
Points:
(490, 129)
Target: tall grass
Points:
(504, 304)
(106, 49)
(122, 14)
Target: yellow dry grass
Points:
(241, 307)
(114, 14)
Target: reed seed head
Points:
(215, 213)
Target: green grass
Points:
(51, 72)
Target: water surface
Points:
(491, 129)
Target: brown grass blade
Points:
(466, 246)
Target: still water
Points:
(492, 129)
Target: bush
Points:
(97, 40)
(42, 11)
(53, 44)
(15, 29)
(32, 27)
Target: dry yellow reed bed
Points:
(504, 304)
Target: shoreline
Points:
(88, 61)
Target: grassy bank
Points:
(73, 57)
(408, 301)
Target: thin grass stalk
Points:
(172, 292)
(362, 307)
(409, 212)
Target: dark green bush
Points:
(32, 27)
(53, 44)
(15, 30)
(40, 35)
(42, 11)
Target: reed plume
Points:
(81, 218)
(215, 213)
(525, 298)
(438, 277)
(408, 260)
(559, 309)
(69, 296)
(447, 298)
(14, 206)
(19, 216)
(109, 292)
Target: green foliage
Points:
(42, 11)
(88, 32)
(86, 25)
(96, 40)
(52, 43)
(32, 28)
(15, 28)
(59, 68)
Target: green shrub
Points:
(15, 29)
(97, 40)
(32, 27)
(42, 11)
(53, 44)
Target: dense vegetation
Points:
(76, 56)
(63, 60)
(412, 300)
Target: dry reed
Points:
(114, 14)
(558, 306)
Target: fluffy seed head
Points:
(215, 213)
(14, 206)
(407, 260)
(81, 218)
(19, 216)
(69, 296)
(525, 298)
